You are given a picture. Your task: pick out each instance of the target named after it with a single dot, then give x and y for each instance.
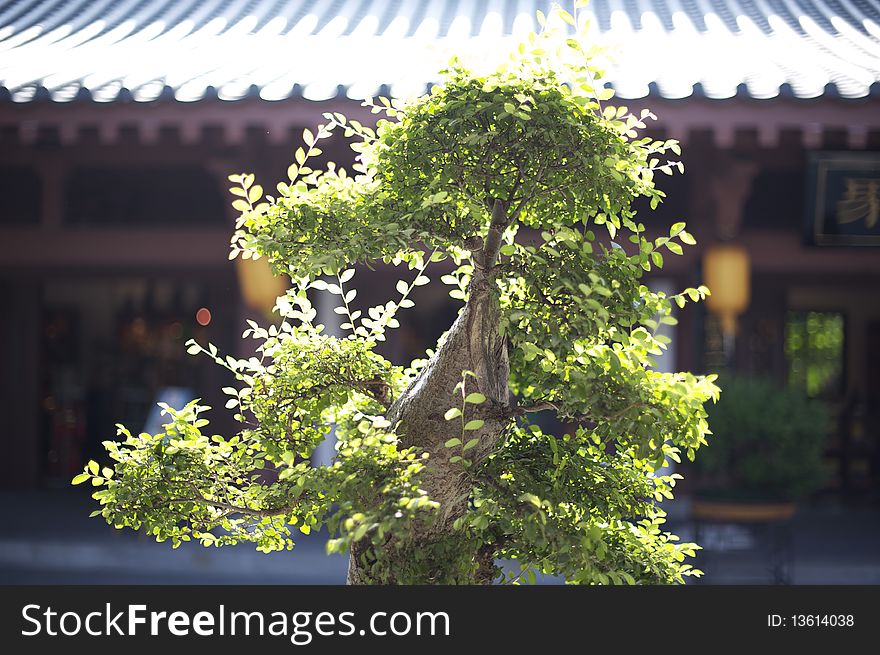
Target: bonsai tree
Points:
(523, 179)
(767, 443)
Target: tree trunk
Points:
(473, 343)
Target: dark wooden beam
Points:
(115, 248)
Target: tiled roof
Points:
(107, 50)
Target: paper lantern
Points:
(726, 273)
(260, 287)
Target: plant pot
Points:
(739, 511)
(767, 521)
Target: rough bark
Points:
(473, 343)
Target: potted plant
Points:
(765, 452)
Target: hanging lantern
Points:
(260, 287)
(726, 273)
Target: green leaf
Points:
(79, 479)
(475, 424)
(531, 350)
(567, 17)
(475, 398)
(674, 247)
(452, 443)
(470, 444)
(450, 414)
(531, 499)
(93, 467)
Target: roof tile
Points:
(275, 49)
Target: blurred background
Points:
(119, 122)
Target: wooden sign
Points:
(843, 199)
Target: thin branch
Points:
(610, 417)
(546, 405)
(537, 407)
(514, 215)
(233, 509)
(377, 389)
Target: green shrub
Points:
(767, 443)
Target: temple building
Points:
(120, 121)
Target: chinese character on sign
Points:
(843, 199)
(860, 201)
